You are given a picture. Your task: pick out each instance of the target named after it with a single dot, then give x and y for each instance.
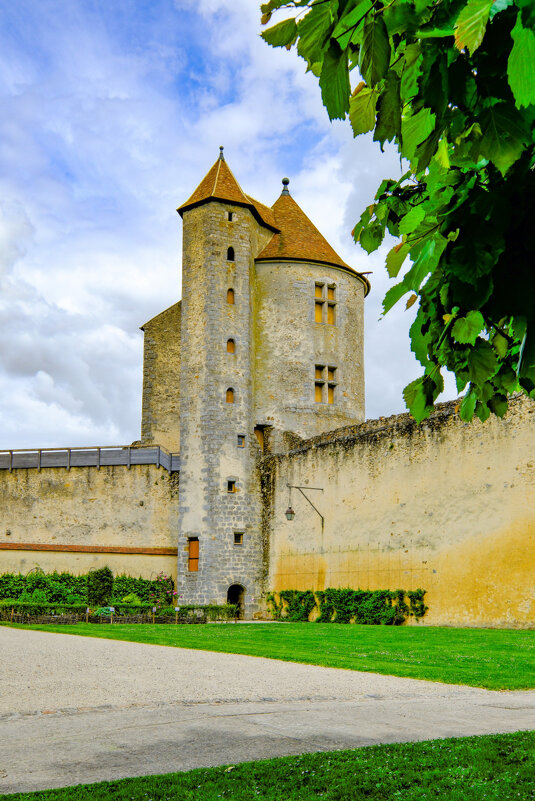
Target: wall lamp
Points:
(290, 514)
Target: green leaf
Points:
(345, 31)
(334, 82)
(375, 50)
(389, 110)
(412, 219)
(466, 329)
(499, 5)
(498, 405)
(371, 237)
(468, 405)
(482, 362)
(521, 65)
(471, 24)
(528, 12)
(435, 33)
(418, 398)
(415, 129)
(412, 68)
(504, 135)
(500, 344)
(482, 411)
(395, 259)
(281, 34)
(393, 295)
(312, 30)
(362, 111)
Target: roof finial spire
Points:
(285, 182)
(221, 156)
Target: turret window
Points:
(238, 538)
(231, 346)
(230, 216)
(231, 486)
(230, 254)
(325, 303)
(230, 395)
(241, 441)
(230, 296)
(324, 383)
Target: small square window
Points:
(238, 538)
(241, 441)
(231, 486)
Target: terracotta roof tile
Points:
(267, 214)
(298, 237)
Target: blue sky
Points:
(112, 114)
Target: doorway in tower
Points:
(236, 595)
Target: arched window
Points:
(230, 254)
(231, 346)
(230, 296)
(230, 395)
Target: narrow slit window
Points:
(318, 312)
(238, 538)
(193, 554)
(230, 216)
(231, 486)
(318, 392)
(230, 395)
(331, 314)
(241, 441)
(231, 346)
(230, 296)
(230, 254)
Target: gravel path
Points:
(61, 670)
(79, 710)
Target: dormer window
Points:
(230, 254)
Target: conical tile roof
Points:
(220, 184)
(298, 237)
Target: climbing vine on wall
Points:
(333, 605)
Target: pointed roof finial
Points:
(285, 190)
(221, 156)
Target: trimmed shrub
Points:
(99, 586)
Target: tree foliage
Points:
(452, 84)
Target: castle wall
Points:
(161, 380)
(446, 506)
(209, 426)
(289, 343)
(86, 517)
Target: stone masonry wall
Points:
(447, 506)
(161, 380)
(209, 426)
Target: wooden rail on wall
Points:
(88, 457)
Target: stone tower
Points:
(270, 340)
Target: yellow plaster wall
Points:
(447, 506)
(114, 506)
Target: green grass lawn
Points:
(491, 768)
(498, 659)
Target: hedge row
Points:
(208, 612)
(96, 587)
(387, 607)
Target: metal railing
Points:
(89, 457)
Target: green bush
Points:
(344, 605)
(131, 598)
(99, 586)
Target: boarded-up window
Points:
(230, 296)
(193, 554)
(318, 392)
(330, 393)
(318, 312)
(231, 346)
(318, 292)
(230, 395)
(331, 293)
